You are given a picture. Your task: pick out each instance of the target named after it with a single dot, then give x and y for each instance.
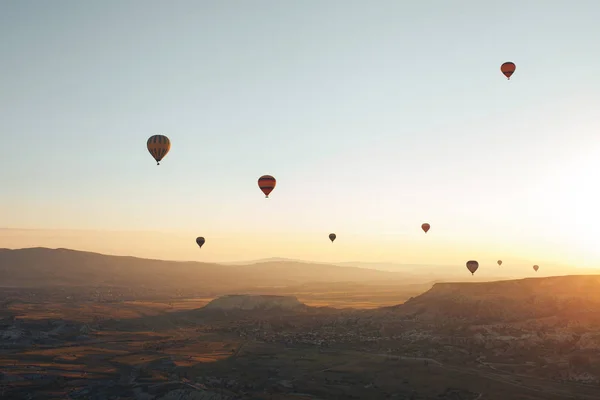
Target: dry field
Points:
(359, 296)
(116, 356)
(110, 356)
(345, 300)
(87, 312)
(354, 374)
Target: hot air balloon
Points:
(158, 146)
(200, 241)
(535, 268)
(508, 68)
(266, 183)
(472, 266)
(332, 237)
(425, 227)
(499, 262)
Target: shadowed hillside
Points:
(47, 267)
(571, 297)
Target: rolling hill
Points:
(419, 273)
(37, 267)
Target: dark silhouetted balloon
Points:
(472, 266)
(200, 241)
(536, 267)
(332, 237)
(499, 262)
(425, 227)
(158, 146)
(508, 68)
(266, 183)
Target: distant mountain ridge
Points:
(488, 270)
(40, 267)
(383, 266)
(264, 260)
(55, 267)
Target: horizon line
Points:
(250, 262)
(255, 261)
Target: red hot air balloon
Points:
(425, 227)
(508, 68)
(472, 266)
(266, 183)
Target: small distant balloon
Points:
(200, 241)
(499, 262)
(425, 227)
(536, 267)
(472, 266)
(508, 68)
(266, 183)
(332, 237)
(158, 146)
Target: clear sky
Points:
(374, 116)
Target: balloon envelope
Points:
(158, 146)
(472, 266)
(425, 227)
(200, 241)
(535, 267)
(332, 236)
(499, 262)
(508, 68)
(266, 183)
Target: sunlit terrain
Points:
(90, 335)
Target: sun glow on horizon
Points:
(567, 204)
(178, 246)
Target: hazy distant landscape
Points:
(319, 284)
(82, 325)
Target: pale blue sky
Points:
(374, 116)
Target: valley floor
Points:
(154, 350)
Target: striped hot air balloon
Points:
(266, 183)
(158, 146)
